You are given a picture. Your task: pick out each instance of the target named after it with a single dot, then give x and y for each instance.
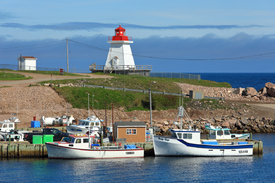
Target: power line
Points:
(186, 59)
(35, 46)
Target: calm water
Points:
(255, 80)
(149, 169)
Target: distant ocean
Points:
(255, 80)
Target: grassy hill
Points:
(78, 96)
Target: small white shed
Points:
(26, 63)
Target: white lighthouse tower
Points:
(120, 54)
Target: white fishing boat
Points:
(188, 143)
(83, 147)
(91, 123)
(224, 133)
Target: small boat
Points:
(8, 125)
(91, 123)
(82, 147)
(189, 143)
(61, 121)
(224, 133)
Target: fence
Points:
(15, 67)
(175, 75)
(138, 67)
(146, 91)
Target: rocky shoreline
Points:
(42, 100)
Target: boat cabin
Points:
(92, 122)
(218, 132)
(6, 126)
(187, 136)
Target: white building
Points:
(26, 63)
(120, 54)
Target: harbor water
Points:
(149, 169)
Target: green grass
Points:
(12, 76)
(45, 72)
(130, 101)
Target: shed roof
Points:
(130, 124)
(29, 57)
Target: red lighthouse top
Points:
(120, 34)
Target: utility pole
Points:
(67, 55)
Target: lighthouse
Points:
(120, 54)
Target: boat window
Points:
(81, 123)
(179, 135)
(187, 136)
(174, 135)
(5, 126)
(85, 140)
(184, 136)
(92, 124)
(97, 123)
(219, 132)
(78, 141)
(11, 125)
(87, 123)
(226, 132)
(212, 132)
(73, 140)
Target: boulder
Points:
(271, 91)
(239, 91)
(269, 85)
(244, 121)
(250, 91)
(263, 90)
(225, 124)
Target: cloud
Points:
(5, 15)
(156, 51)
(72, 26)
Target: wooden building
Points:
(131, 131)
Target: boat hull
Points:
(62, 152)
(73, 129)
(177, 147)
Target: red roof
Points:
(120, 34)
(29, 57)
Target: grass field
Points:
(12, 76)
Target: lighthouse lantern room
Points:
(120, 54)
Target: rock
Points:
(225, 124)
(244, 121)
(250, 91)
(269, 85)
(271, 91)
(263, 90)
(239, 91)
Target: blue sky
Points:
(172, 36)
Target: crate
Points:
(35, 124)
(37, 139)
(47, 138)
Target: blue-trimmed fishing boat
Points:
(189, 143)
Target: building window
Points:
(131, 131)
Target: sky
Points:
(173, 36)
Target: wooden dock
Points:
(26, 150)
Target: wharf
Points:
(27, 150)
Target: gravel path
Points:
(43, 77)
